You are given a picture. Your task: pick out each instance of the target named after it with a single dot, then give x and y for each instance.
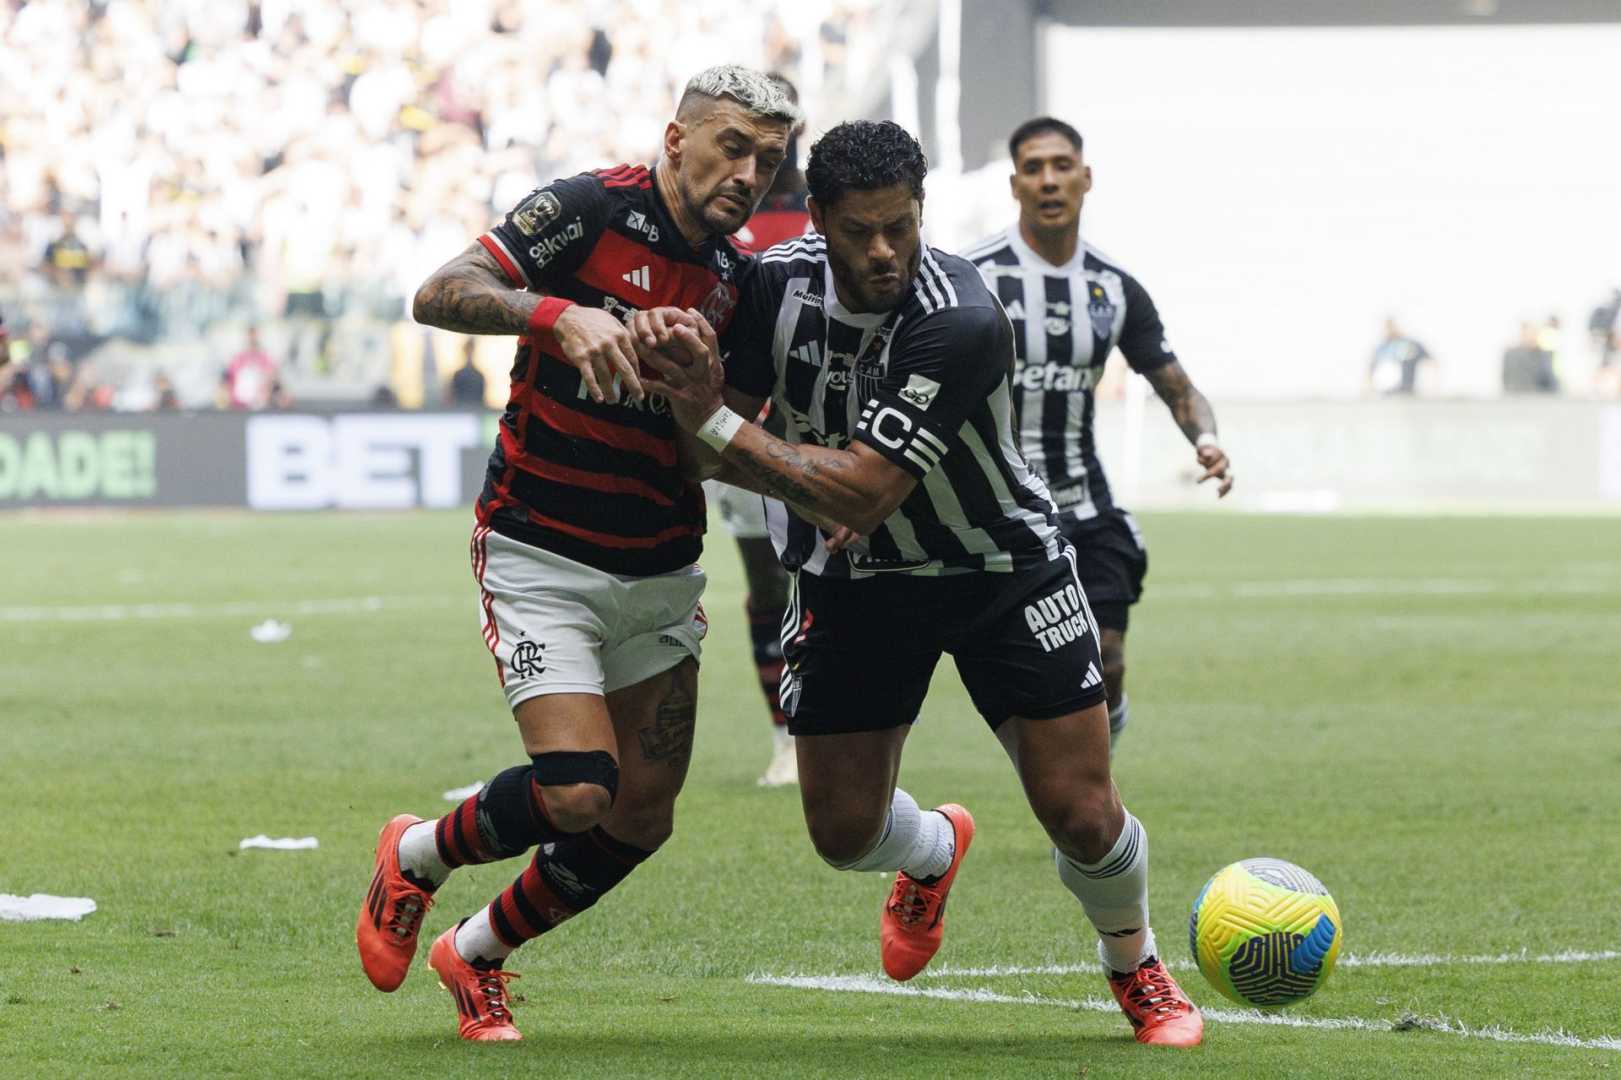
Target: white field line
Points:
(869, 984)
(352, 605)
(1385, 587)
(1350, 960)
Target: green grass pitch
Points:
(1423, 712)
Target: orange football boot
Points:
(1157, 1008)
(481, 995)
(913, 919)
(391, 915)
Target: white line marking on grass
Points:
(868, 984)
(1350, 960)
(352, 605)
(1384, 587)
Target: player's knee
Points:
(645, 827)
(1083, 824)
(579, 787)
(576, 807)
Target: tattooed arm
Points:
(1189, 408)
(1193, 414)
(471, 294)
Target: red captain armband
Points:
(544, 317)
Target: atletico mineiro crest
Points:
(1102, 313)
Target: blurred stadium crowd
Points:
(174, 172)
(226, 203)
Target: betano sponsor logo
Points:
(358, 461)
(1062, 378)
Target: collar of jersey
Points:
(836, 310)
(1027, 253)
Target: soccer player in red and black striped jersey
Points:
(587, 533)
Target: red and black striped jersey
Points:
(599, 483)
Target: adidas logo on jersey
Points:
(1057, 619)
(641, 277)
(638, 221)
(1092, 676)
(808, 353)
(1015, 310)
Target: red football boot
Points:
(391, 915)
(913, 920)
(480, 993)
(1157, 1008)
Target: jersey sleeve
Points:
(940, 369)
(746, 342)
(548, 235)
(1142, 339)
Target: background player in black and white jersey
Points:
(890, 362)
(1070, 307)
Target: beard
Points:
(874, 298)
(720, 217)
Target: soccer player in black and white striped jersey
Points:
(1071, 306)
(890, 364)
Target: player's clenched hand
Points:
(652, 327)
(688, 369)
(601, 348)
(840, 538)
(1216, 467)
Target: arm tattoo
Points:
(786, 474)
(669, 737)
(1189, 408)
(471, 295)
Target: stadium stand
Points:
(174, 172)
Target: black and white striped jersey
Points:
(1066, 319)
(926, 385)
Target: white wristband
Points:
(718, 431)
(1206, 438)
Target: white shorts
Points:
(742, 512)
(556, 626)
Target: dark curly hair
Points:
(864, 155)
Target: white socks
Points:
(920, 842)
(1114, 893)
(476, 940)
(419, 854)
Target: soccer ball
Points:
(1265, 932)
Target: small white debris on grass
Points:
(280, 843)
(44, 906)
(271, 631)
(457, 794)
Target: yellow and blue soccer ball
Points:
(1265, 932)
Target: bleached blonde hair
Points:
(757, 92)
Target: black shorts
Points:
(1112, 560)
(859, 653)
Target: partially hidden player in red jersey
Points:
(586, 539)
(782, 216)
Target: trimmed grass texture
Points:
(1420, 711)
